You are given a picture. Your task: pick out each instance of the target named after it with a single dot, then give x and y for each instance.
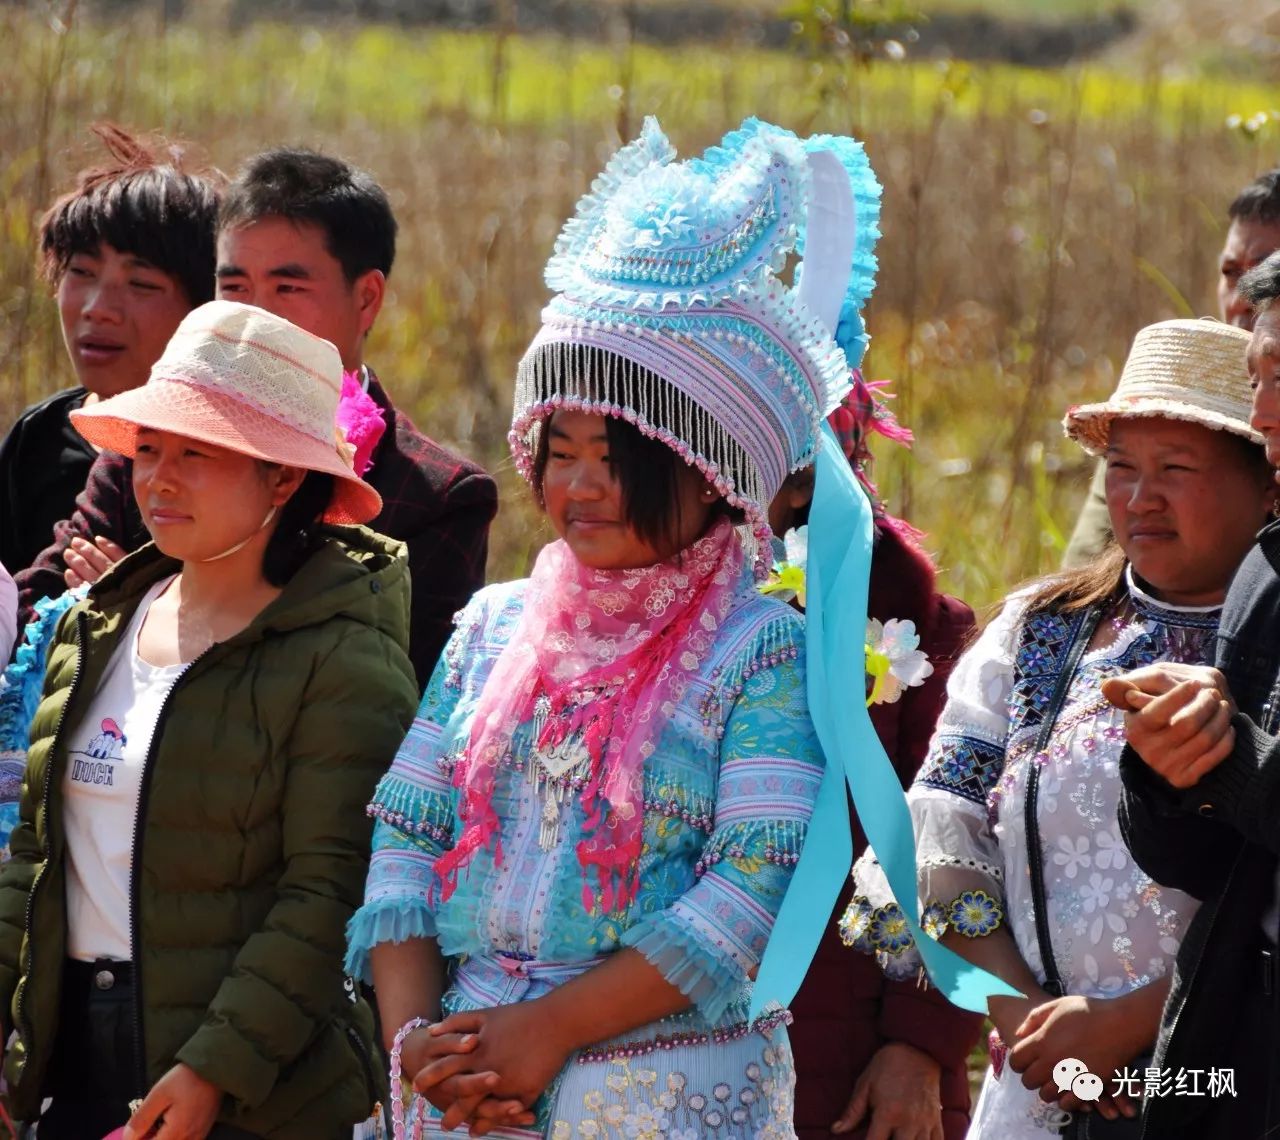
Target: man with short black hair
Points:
(312, 239)
(1254, 234)
(129, 252)
(1201, 812)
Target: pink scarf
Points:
(605, 655)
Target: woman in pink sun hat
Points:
(171, 920)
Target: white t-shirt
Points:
(106, 753)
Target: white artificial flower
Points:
(895, 660)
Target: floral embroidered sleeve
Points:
(413, 809)
(709, 940)
(958, 863)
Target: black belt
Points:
(102, 974)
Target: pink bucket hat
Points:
(241, 378)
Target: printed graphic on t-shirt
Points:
(96, 764)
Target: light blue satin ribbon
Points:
(838, 571)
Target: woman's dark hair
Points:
(142, 201)
(297, 535)
(1098, 583)
(647, 472)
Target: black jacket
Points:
(1220, 842)
(44, 463)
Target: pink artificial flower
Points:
(360, 420)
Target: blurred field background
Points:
(1033, 218)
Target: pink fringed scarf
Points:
(607, 653)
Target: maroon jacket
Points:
(847, 1008)
(437, 503)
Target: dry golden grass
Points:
(1032, 221)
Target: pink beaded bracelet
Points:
(397, 1092)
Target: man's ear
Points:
(370, 288)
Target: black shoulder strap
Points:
(1035, 857)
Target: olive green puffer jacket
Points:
(250, 847)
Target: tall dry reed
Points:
(1032, 221)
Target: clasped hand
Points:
(1177, 718)
(485, 1068)
(1092, 1031)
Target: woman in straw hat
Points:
(604, 797)
(1021, 864)
(216, 711)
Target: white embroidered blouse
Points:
(1113, 929)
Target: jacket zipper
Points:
(1170, 1037)
(366, 1063)
(82, 624)
(135, 863)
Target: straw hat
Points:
(241, 378)
(1178, 370)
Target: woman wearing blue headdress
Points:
(586, 837)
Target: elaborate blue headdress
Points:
(671, 311)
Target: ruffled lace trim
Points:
(705, 974)
(22, 683)
(389, 920)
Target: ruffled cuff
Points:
(23, 682)
(708, 976)
(388, 920)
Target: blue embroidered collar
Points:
(1149, 608)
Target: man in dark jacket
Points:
(312, 239)
(1200, 810)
